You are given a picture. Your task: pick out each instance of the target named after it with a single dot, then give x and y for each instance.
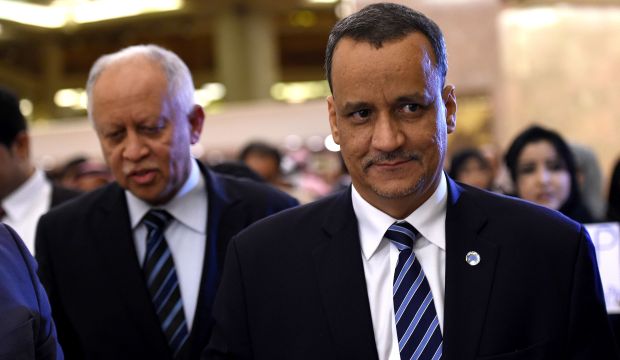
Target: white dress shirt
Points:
(26, 204)
(185, 235)
(380, 256)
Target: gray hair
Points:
(382, 22)
(180, 83)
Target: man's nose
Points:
(135, 148)
(387, 134)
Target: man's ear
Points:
(196, 120)
(449, 100)
(21, 145)
(333, 124)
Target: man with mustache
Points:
(406, 263)
(131, 269)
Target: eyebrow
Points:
(151, 119)
(355, 105)
(351, 106)
(417, 97)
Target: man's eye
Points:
(152, 129)
(411, 107)
(364, 113)
(115, 135)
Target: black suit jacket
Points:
(90, 269)
(294, 288)
(26, 327)
(61, 194)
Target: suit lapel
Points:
(114, 242)
(342, 284)
(468, 287)
(219, 205)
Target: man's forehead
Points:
(362, 62)
(132, 69)
(129, 80)
(397, 65)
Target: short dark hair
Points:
(237, 169)
(378, 23)
(260, 148)
(460, 158)
(12, 121)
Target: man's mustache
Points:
(397, 155)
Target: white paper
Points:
(606, 240)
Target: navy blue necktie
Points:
(417, 325)
(162, 281)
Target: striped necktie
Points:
(162, 282)
(417, 325)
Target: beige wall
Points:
(559, 66)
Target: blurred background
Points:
(258, 71)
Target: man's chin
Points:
(148, 195)
(395, 192)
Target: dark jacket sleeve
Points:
(43, 330)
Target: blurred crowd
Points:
(539, 166)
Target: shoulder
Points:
(304, 221)
(14, 256)
(61, 194)
(9, 240)
(248, 190)
(498, 205)
(81, 205)
(513, 219)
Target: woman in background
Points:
(543, 170)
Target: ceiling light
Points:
(32, 14)
(62, 13)
(298, 92)
(91, 11)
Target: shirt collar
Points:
(187, 206)
(429, 219)
(17, 204)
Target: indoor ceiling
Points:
(37, 61)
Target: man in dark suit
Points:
(131, 269)
(27, 330)
(25, 191)
(406, 263)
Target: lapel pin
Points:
(472, 258)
